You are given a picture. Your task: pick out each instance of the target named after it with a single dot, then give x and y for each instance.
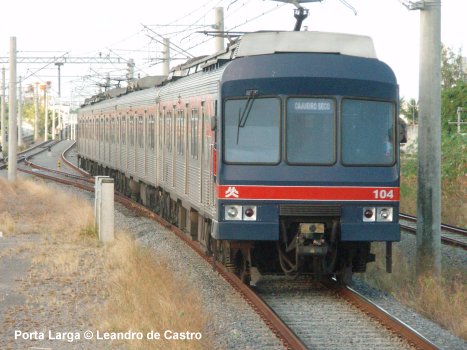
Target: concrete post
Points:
(53, 120)
(106, 217)
(59, 118)
(97, 197)
(20, 113)
(219, 26)
(3, 118)
(36, 112)
(166, 57)
(46, 116)
(429, 142)
(12, 132)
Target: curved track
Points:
(274, 317)
(450, 235)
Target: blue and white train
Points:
(280, 153)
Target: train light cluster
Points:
(379, 214)
(240, 212)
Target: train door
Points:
(146, 140)
(107, 140)
(113, 150)
(150, 147)
(124, 144)
(159, 144)
(97, 142)
(139, 147)
(167, 149)
(208, 156)
(180, 146)
(194, 159)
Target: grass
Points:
(115, 287)
(443, 301)
(453, 181)
(145, 296)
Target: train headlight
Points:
(384, 214)
(233, 212)
(249, 213)
(369, 214)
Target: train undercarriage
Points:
(307, 245)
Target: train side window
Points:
(123, 130)
(107, 127)
(168, 131)
(140, 132)
(161, 127)
(194, 137)
(150, 132)
(131, 131)
(102, 130)
(180, 132)
(112, 135)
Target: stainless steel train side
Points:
(159, 146)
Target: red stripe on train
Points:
(314, 193)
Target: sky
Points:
(115, 27)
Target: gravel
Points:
(232, 324)
(455, 258)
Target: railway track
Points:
(30, 152)
(450, 235)
(260, 299)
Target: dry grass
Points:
(443, 301)
(453, 195)
(32, 207)
(146, 297)
(119, 287)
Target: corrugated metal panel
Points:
(159, 166)
(194, 183)
(309, 210)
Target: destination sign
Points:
(314, 105)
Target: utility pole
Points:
(3, 118)
(36, 112)
(53, 120)
(20, 113)
(46, 114)
(12, 150)
(459, 119)
(166, 57)
(219, 26)
(429, 141)
(59, 64)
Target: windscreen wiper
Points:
(242, 117)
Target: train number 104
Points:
(384, 194)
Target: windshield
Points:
(368, 132)
(310, 137)
(251, 133)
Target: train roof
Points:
(255, 44)
(263, 43)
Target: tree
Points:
(451, 99)
(451, 67)
(454, 87)
(410, 110)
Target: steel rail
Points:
(445, 240)
(278, 327)
(445, 227)
(70, 164)
(382, 316)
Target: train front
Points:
(307, 153)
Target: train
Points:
(279, 154)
